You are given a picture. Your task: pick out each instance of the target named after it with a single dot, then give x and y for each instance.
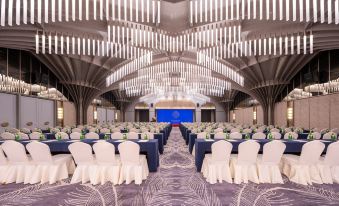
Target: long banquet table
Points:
(203, 146)
(192, 138)
(149, 148)
(159, 136)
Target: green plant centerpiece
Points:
(124, 136)
(247, 136)
(41, 137)
(310, 136)
(207, 136)
(145, 137)
(59, 137)
(290, 137)
(227, 135)
(270, 136)
(333, 137)
(17, 137)
(82, 136)
(106, 137)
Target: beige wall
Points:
(280, 114)
(260, 115)
(69, 114)
(244, 116)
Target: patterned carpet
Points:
(175, 183)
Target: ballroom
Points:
(169, 102)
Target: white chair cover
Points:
(247, 131)
(132, 135)
(92, 130)
(25, 130)
(83, 157)
(75, 135)
(259, 135)
(105, 130)
(218, 130)
(329, 166)
(63, 135)
(49, 168)
(76, 130)
(303, 169)
(235, 130)
(268, 163)
(7, 136)
(35, 135)
(117, 135)
(3, 166)
(116, 130)
(20, 167)
(328, 135)
(317, 135)
(23, 136)
(215, 166)
(276, 135)
(108, 165)
(243, 167)
(335, 130)
(275, 130)
(92, 135)
(134, 166)
(219, 135)
(201, 135)
(294, 135)
(235, 135)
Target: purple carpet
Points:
(175, 183)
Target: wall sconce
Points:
(95, 115)
(116, 116)
(233, 116)
(290, 113)
(60, 113)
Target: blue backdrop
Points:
(174, 116)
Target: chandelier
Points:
(203, 11)
(72, 10)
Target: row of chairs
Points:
(310, 167)
(261, 135)
(41, 167)
(75, 135)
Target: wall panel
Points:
(301, 113)
(8, 110)
(69, 114)
(280, 114)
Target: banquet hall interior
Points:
(169, 102)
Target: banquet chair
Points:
(75, 135)
(23, 136)
(134, 130)
(328, 135)
(328, 166)
(235, 135)
(20, 166)
(287, 130)
(117, 135)
(293, 134)
(218, 130)
(259, 135)
(247, 131)
(105, 130)
(276, 135)
(116, 130)
(35, 135)
(268, 163)
(149, 135)
(76, 130)
(132, 135)
(303, 169)
(3, 166)
(108, 164)
(335, 130)
(219, 135)
(215, 166)
(317, 135)
(25, 130)
(92, 135)
(7, 136)
(133, 165)
(84, 159)
(235, 130)
(48, 168)
(65, 130)
(92, 129)
(63, 135)
(275, 130)
(243, 165)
